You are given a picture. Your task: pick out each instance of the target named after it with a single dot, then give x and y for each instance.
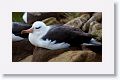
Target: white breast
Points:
(48, 44)
(36, 40)
(36, 37)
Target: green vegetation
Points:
(17, 16)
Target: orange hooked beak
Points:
(27, 31)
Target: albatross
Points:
(17, 27)
(56, 37)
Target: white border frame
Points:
(104, 67)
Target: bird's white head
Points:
(37, 26)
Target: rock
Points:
(51, 21)
(62, 17)
(27, 59)
(21, 49)
(98, 34)
(43, 55)
(98, 58)
(90, 13)
(96, 17)
(96, 30)
(94, 26)
(75, 56)
(68, 16)
(79, 21)
(39, 16)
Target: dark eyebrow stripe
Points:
(37, 27)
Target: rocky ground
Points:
(89, 22)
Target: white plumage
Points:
(39, 29)
(16, 38)
(25, 17)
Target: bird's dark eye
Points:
(38, 27)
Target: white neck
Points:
(35, 37)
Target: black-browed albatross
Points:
(17, 27)
(57, 37)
